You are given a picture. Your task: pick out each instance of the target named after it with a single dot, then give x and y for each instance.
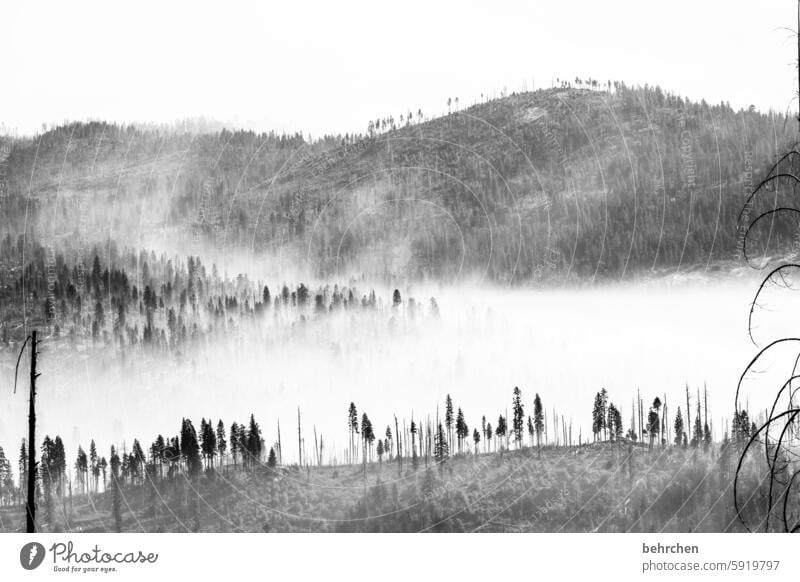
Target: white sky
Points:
(333, 65)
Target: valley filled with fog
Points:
(566, 344)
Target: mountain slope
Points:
(557, 185)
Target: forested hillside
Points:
(566, 184)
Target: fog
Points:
(565, 344)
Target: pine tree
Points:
(706, 430)
(138, 459)
(413, 430)
(538, 419)
(654, 421)
(93, 464)
(448, 418)
(531, 430)
(6, 479)
(678, 427)
(518, 417)
(389, 445)
(500, 431)
(190, 448)
(614, 422)
(697, 436)
(657, 409)
(597, 416)
(80, 469)
(440, 448)
(476, 438)
(254, 443)
(367, 435)
(741, 427)
(23, 467)
(352, 424)
(103, 467)
(235, 443)
(604, 411)
(47, 463)
(462, 431)
(115, 492)
(272, 461)
(222, 444)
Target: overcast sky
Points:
(331, 66)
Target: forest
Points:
(524, 472)
(231, 258)
(586, 181)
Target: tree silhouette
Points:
(448, 418)
(413, 431)
(222, 443)
(598, 416)
(189, 448)
(654, 421)
(678, 426)
(501, 429)
(94, 464)
(115, 492)
(440, 448)
(367, 436)
(538, 419)
(235, 442)
(254, 443)
(462, 431)
(352, 424)
(519, 416)
(81, 468)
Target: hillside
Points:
(560, 184)
(607, 487)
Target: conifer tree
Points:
(448, 418)
(538, 419)
(501, 429)
(413, 430)
(697, 435)
(115, 492)
(462, 431)
(678, 426)
(352, 424)
(597, 416)
(81, 469)
(222, 443)
(518, 416)
(440, 448)
(235, 442)
(190, 448)
(93, 464)
(254, 443)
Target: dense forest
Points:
(585, 181)
(160, 303)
